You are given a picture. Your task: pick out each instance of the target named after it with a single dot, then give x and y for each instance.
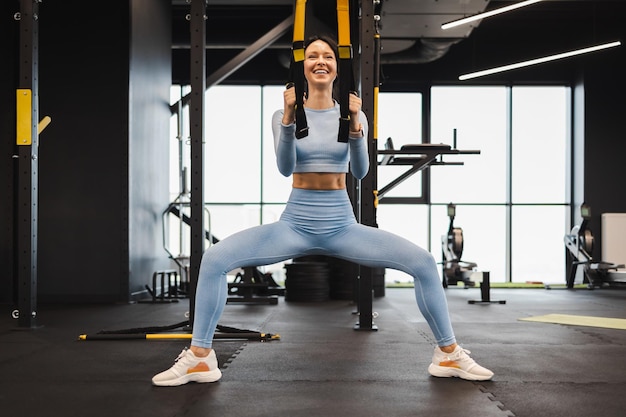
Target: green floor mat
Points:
(605, 322)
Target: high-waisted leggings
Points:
(317, 222)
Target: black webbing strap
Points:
(346, 75)
(296, 69)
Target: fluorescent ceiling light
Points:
(539, 60)
(488, 14)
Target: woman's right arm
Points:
(284, 143)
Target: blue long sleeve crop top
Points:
(319, 151)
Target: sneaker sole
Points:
(199, 377)
(447, 372)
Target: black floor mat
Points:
(48, 371)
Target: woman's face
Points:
(320, 64)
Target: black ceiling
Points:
(407, 28)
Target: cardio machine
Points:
(579, 242)
(454, 269)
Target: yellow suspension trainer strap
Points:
(345, 69)
(296, 69)
(346, 74)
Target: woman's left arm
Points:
(357, 141)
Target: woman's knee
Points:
(423, 265)
(211, 264)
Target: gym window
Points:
(511, 199)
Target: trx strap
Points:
(156, 333)
(346, 76)
(297, 68)
(344, 67)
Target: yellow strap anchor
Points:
(24, 115)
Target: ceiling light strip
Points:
(487, 14)
(539, 60)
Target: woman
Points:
(318, 219)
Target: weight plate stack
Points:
(307, 281)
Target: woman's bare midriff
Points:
(319, 180)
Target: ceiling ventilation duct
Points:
(410, 30)
(422, 51)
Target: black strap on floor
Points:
(156, 329)
(152, 329)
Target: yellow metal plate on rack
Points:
(24, 111)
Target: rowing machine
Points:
(579, 242)
(454, 269)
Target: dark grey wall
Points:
(605, 139)
(149, 137)
(104, 163)
(9, 30)
(83, 193)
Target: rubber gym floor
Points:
(321, 365)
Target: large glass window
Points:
(478, 115)
(400, 121)
(513, 224)
(538, 164)
(539, 137)
(276, 187)
(233, 144)
(537, 248)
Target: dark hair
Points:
(331, 42)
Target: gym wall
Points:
(104, 79)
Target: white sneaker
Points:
(189, 368)
(457, 364)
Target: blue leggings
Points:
(317, 222)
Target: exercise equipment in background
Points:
(579, 242)
(454, 269)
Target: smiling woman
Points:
(317, 220)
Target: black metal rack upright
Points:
(27, 136)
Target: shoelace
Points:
(458, 355)
(181, 355)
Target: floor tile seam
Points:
(225, 363)
(492, 397)
(537, 382)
